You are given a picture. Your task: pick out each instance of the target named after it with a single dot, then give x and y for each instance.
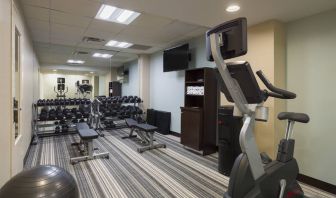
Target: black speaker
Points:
(163, 122)
(228, 139)
(151, 117)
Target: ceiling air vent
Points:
(140, 47)
(80, 53)
(92, 39)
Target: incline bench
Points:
(87, 135)
(146, 133)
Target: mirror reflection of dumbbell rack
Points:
(115, 109)
(58, 116)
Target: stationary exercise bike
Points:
(250, 178)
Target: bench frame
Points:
(147, 137)
(86, 146)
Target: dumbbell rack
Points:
(121, 101)
(38, 124)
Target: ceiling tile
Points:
(91, 32)
(34, 12)
(177, 28)
(38, 25)
(69, 19)
(197, 32)
(151, 21)
(137, 38)
(39, 3)
(99, 25)
(39, 36)
(77, 7)
(63, 41)
(66, 31)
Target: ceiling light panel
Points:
(113, 43)
(102, 55)
(71, 61)
(233, 8)
(117, 15)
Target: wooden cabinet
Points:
(114, 88)
(191, 125)
(198, 116)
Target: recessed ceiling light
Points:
(100, 55)
(71, 61)
(233, 8)
(117, 15)
(113, 43)
(55, 70)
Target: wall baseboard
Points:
(27, 152)
(175, 134)
(317, 183)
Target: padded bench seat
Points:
(82, 125)
(131, 122)
(146, 127)
(87, 134)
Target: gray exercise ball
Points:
(41, 181)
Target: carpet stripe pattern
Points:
(170, 172)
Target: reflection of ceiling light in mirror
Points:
(91, 72)
(117, 15)
(113, 43)
(233, 8)
(55, 70)
(71, 61)
(100, 55)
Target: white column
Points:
(143, 66)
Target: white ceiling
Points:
(58, 26)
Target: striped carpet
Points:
(170, 172)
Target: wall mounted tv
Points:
(176, 58)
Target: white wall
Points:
(102, 85)
(49, 81)
(311, 73)
(5, 93)
(29, 68)
(13, 150)
(166, 90)
(132, 86)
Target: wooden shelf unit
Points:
(198, 116)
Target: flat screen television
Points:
(176, 58)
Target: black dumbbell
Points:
(43, 116)
(65, 128)
(138, 100)
(78, 115)
(57, 129)
(72, 101)
(87, 101)
(61, 102)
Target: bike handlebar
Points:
(278, 93)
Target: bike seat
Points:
(291, 116)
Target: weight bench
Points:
(146, 133)
(86, 144)
(131, 123)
